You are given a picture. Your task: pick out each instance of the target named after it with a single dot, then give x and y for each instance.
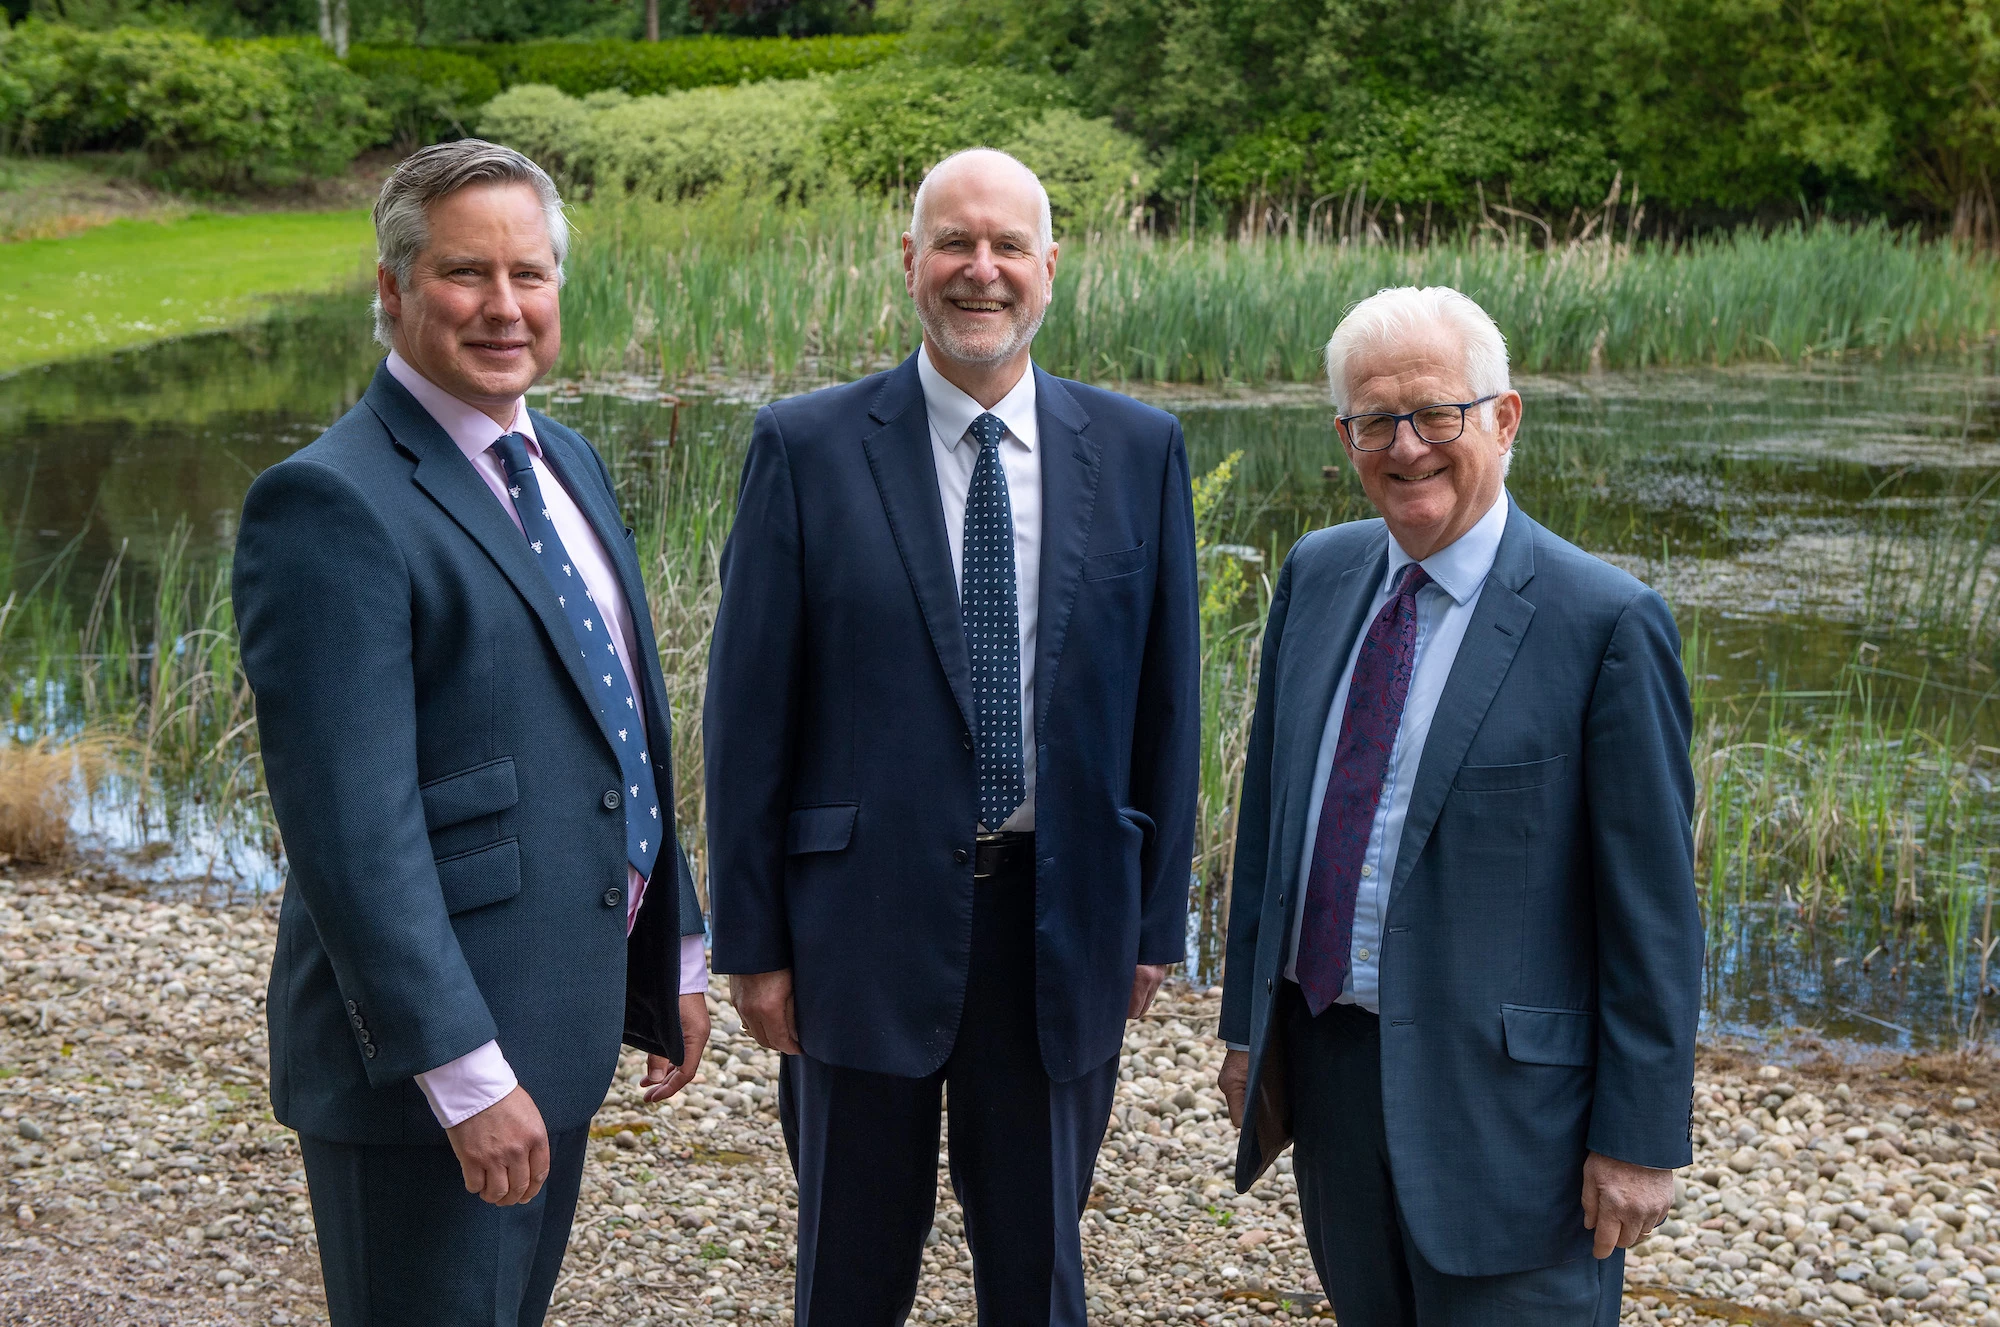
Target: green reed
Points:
(736, 286)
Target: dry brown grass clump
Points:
(39, 784)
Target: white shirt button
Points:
(1367, 871)
(1362, 955)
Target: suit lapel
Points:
(1309, 668)
(899, 458)
(1070, 465)
(444, 473)
(1492, 638)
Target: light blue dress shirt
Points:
(1444, 609)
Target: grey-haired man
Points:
(466, 738)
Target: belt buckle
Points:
(982, 841)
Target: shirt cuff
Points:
(1236, 1046)
(461, 1089)
(694, 965)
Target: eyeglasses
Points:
(1435, 424)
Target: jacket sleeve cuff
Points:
(694, 966)
(461, 1088)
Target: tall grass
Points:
(736, 286)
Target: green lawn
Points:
(137, 281)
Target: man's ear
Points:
(387, 292)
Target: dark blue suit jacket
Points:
(1541, 953)
(440, 782)
(841, 786)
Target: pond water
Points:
(1823, 534)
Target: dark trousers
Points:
(1365, 1257)
(402, 1242)
(865, 1149)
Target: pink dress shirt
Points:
(463, 1087)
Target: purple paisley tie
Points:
(1354, 790)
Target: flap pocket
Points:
(479, 791)
(820, 828)
(1550, 1036)
(1122, 563)
(1502, 778)
(484, 875)
(1140, 821)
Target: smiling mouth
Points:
(979, 305)
(498, 345)
(1418, 479)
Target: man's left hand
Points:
(663, 1077)
(1145, 985)
(1623, 1202)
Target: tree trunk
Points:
(339, 25)
(652, 20)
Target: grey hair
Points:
(1402, 309)
(1045, 231)
(402, 213)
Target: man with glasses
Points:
(1464, 952)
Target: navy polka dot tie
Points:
(617, 708)
(993, 629)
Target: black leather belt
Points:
(998, 854)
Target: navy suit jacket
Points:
(1541, 952)
(440, 782)
(842, 796)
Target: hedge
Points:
(427, 94)
(642, 68)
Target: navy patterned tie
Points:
(993, 629)
(616, 706)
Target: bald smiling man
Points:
(951, 731)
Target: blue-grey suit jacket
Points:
(1541, 953)
(455, 875)
(842, 795)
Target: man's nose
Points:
(985, 270)
(501, 304)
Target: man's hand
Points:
(765, 1001)
(1234, 1080)
(503, 1150)
(1622, 1202)
(663, 1076)
(1146, 981)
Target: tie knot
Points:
(1412, 578)
(987, 430)
(512, 450)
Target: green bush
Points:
(1094, 172)
(642, 68)
(764, 138)
(426, 95)
(218, 114)
(891, 124)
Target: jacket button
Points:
(352, 1007)
(368, 1050)
(365, 1038)
(611, 799)
(354, 1019)
(613, 897)
(961, 856)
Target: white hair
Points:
(1400, 310)
(402, 212)
(1045, 231)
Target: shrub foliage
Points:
(642, 68)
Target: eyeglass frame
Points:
(1410, 417)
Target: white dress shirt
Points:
(1444, 609)
(463, 1087)
(951, 413)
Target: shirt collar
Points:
(1460, 567)
(952, 411)
(468, 426)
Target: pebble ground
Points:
(145, 1181)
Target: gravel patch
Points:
(145, 1181)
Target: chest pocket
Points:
(1124, 562)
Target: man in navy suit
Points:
(952, 730)
(466, 739)
(1464, 958)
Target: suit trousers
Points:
(1366, 1259)
(1023, 1149)
(402, 1243)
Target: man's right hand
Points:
(1234, 1080)
(503, 1150)
(765, 1001)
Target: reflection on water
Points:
(1799, 521)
